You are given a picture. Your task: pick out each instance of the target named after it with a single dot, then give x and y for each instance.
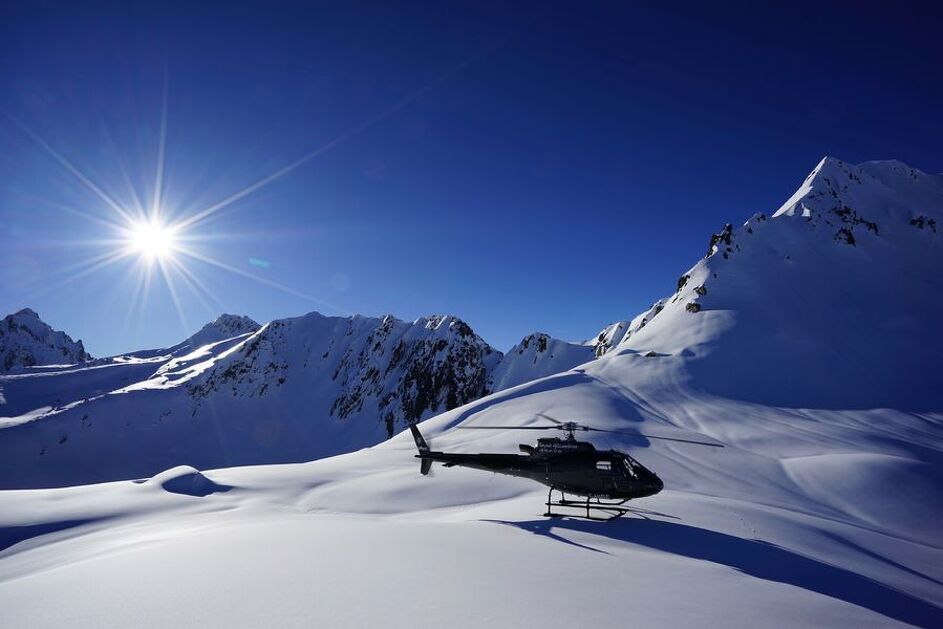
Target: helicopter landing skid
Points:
(612, 509)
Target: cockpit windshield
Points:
(632, 468)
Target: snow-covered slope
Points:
(235, 393)
(26, 341)
(226, 326)
(620, 331)
(536, 356)
(823, 509)
(832, 302)
(387, 370)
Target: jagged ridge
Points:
(26, 341)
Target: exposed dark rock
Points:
(407, 371)
(693, 306)
(924, 222)
(844, 235)
(541, 340)
(722, 237)
(851, 219)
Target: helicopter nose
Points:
(656, 485)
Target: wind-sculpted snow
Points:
(777, 529)
(805, 342)
(25, 341)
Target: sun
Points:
(152, 240)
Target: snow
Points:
(25, 341)
(812, 359)
(236, 393)
(536, 356)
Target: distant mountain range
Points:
(237, 392)
(802, 307)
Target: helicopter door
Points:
(605, 472)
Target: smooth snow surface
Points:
(811, 355)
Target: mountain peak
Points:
(26, 341)
(235, 321)
(879, 190)
(835, 282)
(443, 322)
(225, 326)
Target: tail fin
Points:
(426, 463)
(421, 444)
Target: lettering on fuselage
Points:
(559, 446)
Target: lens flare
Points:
(152, 240)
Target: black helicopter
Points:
(565, 465)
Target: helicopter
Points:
(566, 465)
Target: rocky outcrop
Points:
(621, 331)
(385, 369)
(27, 341)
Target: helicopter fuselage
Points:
(568, 465)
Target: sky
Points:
(526, 167)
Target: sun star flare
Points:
(152, 239)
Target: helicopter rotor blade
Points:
(574, 427)
(509, 427)
(553, 419)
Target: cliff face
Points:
(385, 369)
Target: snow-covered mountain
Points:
(847, 253)
(830, 301)
(226, 326)
(615, 333)
(25, 341)
(387, 370)
(536, 356)
(806, 341)
(237, 393)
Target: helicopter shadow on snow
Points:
(622, 407)
(756, 558)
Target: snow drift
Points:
(805, 340)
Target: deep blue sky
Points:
(525, 168)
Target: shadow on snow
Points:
(756, 558)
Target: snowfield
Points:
(806, 342)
